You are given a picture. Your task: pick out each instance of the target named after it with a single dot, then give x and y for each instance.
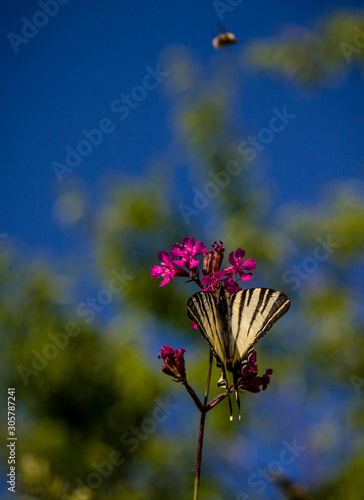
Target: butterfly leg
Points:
(223, 383)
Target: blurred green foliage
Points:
(79, 405)
(316, 56)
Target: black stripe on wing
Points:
(245, 297)
(264, 293)
(201, 309)
(278, 308)
(198, 308)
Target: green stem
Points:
(201, 432)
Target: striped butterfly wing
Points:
(202, 309)
(254, 312)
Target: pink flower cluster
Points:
(182, 262)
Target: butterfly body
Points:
(233, 324)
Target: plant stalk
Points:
(201, 432)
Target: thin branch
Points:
(194, 396)
(201, 432)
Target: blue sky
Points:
(67, 76)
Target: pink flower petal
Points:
(245, 277)
(250, 265)
(156, 271)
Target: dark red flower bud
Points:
(174, 363)
(249, 380)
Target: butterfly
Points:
(233, 324)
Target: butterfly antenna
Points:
(236, 387)
(238, 401)
(230, 406)
(223, 383)
(228, 393)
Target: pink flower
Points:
(187, 251)
(249, 380)
(167, 270)
(212, 280)
(174, 363)
(238, 265)
(212, 274)
(231, 286)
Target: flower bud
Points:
(174, 363)
(213, 258)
